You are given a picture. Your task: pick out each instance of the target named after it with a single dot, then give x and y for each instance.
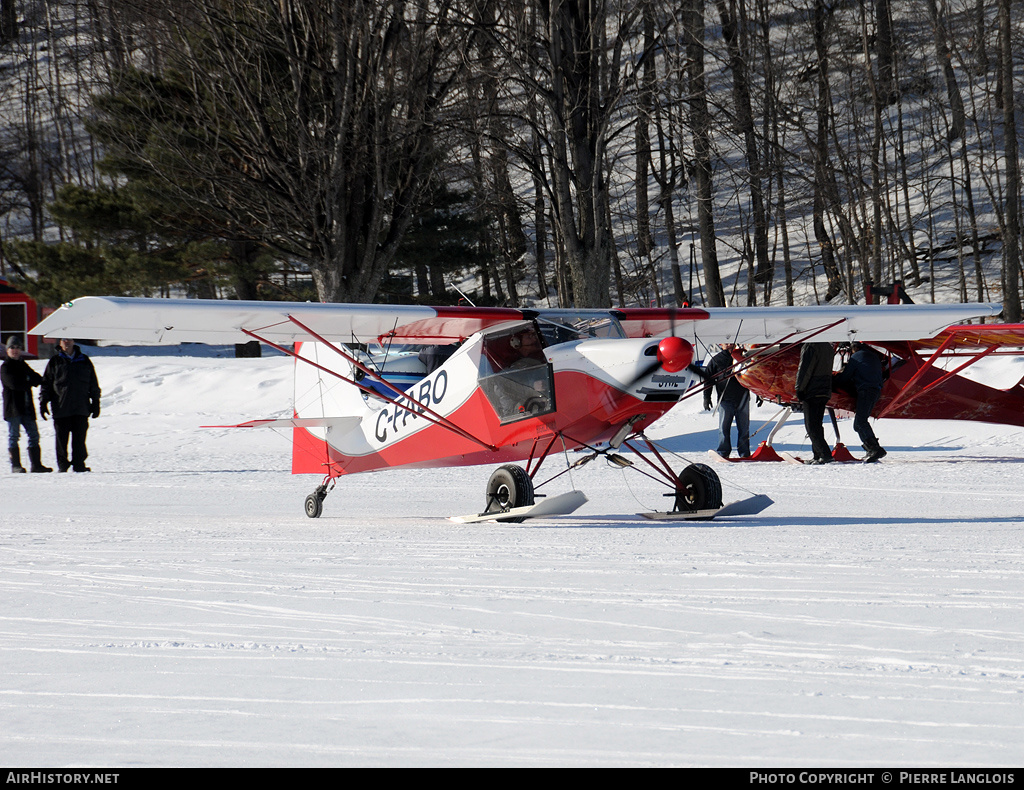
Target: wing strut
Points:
(757, 357)
(428, 414)
(902, 398)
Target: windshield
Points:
(563, 327)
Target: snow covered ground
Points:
(175, 607)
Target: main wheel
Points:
(509, 487)
(699, 489)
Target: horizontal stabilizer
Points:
(335, 423)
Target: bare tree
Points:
(700, 124)
(8, 21)
(308, 126)
(645, 109)
(1011, 235)
(570, 76)
(733, 14)
(823, 174)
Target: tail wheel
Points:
(315, 502)
(699, 489)
(509, 487)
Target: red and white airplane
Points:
(380, 386)
(923, 380)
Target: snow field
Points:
(175, 607)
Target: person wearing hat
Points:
(19, 411)
(71, 387)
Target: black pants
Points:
(74, 427)
(866, 400)
(814, 413)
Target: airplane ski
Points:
(561, 505)
(741, 507)
(843, 456)
(716, 456)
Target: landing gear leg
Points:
(697, 487)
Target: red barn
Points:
(18, 314)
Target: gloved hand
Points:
(44, 409)
(95, 409)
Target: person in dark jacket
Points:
(813, 390)
(864, 375)
(733, 403)
(71, 387)
(19, 411)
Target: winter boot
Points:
(16, 466)
(875, 453)
(35, 464)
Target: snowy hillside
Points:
(176, 608)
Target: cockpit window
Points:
(515, 375)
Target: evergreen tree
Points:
(444, 239)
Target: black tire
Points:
(699, 489)
(509, 487)
(314, 505)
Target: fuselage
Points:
(502, 395)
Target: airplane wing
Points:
(972, 336)
(839, 323)
(171, 321)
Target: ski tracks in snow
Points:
(175, 607)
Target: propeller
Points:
(673, 354)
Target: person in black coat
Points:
(733, 403)
(19, 412)
(864, 375)
(813, 390)
(71, 387)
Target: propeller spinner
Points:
(674, 354)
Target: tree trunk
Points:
(1011, 238)
(646, 100)
(575, 37)
(700, 123)
(734, 18)
(8, 21)
(822, 165)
